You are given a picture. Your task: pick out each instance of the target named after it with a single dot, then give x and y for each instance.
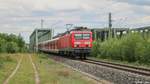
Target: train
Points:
(76, 43)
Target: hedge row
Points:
(11, 43)
(131, 48)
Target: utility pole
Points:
(53, 32)
(110, 25)
(42, 22)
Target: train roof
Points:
(80, 31)
(48, 41)
(76, 29)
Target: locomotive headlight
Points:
(77, 43)
(87, 43)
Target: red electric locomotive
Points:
(75, 43)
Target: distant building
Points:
(37, 36)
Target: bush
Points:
(12, 44)
(95, 48)
(143, 52)
(131, 48)
(2, 45)
(130, 43)
(12, 47)
(1, 61)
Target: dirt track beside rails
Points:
(37, 79)
(36, 74)
(14, 71)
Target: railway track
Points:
(116, 73)
(132, 69)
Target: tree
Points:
(12, 47)
(11, 43)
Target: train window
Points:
(82, 36)
(78, 36)
(86, 36)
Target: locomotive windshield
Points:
(78, 36)
(86, 36)
(82, 36)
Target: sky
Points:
(23, 16)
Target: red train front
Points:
(82, 42)
(76, 43)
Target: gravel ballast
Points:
(109, 74)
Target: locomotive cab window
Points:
(86, 36)
(78, 36)
(82, 36)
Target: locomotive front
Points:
(82, 43)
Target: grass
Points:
(25, 74)
(49, 71)
(54, 73)
(8, 63)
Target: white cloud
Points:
(25, 15)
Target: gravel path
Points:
(14, 72)
(37, 78)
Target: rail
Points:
(132, 69)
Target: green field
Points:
(49, 72)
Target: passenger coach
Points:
(75, 43)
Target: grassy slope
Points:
(25, 74)
(9, 64)
(54, 73)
